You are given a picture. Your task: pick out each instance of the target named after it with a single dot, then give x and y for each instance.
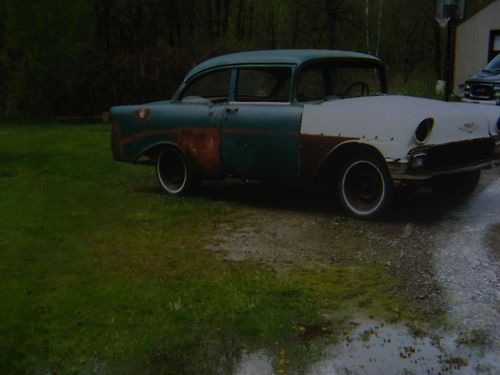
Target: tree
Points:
(62, 57)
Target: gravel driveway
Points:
(448, 254)
(467, 262)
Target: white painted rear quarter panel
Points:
(389, 122)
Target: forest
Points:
(76, 58)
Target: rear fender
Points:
(340, 154)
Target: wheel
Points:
(364, 187)
(455, 186)
(174, 174)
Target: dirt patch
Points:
(284, 228)
(304, 234)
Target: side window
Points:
(212, 86)
(263, 85)
(311, 85)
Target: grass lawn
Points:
(100, 270)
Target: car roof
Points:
(280, 56)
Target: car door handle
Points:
(231, 110)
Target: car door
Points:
(197, 117)
(261, 128)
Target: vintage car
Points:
(484, 88)
(307, 115)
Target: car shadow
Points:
(420, 206)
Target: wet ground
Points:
(374, 347)
(448, 255)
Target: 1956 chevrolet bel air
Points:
(310, 115)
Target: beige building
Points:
(477, 42)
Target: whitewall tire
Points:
(364, 187)
(173, 172)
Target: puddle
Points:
(378, 348)
(374, 347)
(257, 363)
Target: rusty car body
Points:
(307, 115)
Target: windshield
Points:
(330, 81)
(494, 65)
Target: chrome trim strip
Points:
(428, 174)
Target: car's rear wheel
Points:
(455, 186)
(174, 173)
(364, 187)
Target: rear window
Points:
(330, 81)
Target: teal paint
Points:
(271, 57)
(138, 135)
(256, 141)
(261, 141)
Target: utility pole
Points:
(447, 13)
(449, 60)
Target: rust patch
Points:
(118, 142)
(313, 151)
(148, 133)
(142, 114)
(203, 145)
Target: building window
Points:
(494, 44)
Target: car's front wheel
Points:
(174, 173)
(364, 187)
(455, 186)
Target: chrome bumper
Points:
(397, 174)
(403, 169)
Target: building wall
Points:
(472, 42)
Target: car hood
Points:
(389, 122)
(486, 76)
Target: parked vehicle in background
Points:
(307, 115)
(484, 88)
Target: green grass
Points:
(99, 269)
(421, 82)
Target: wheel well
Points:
(154, 151)
(340, 155)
